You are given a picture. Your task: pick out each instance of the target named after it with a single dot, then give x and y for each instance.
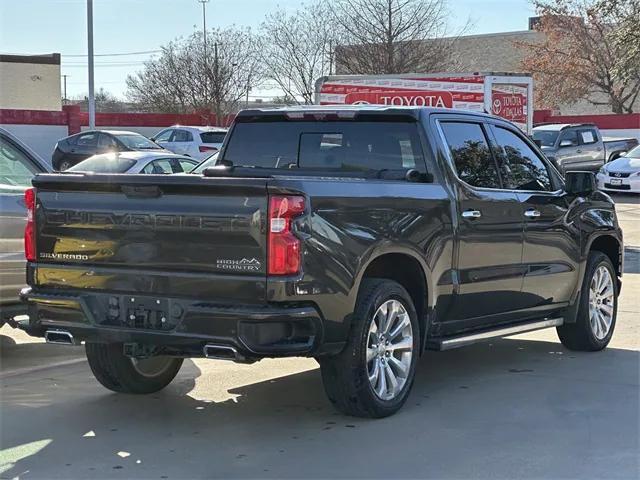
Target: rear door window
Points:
(87, 139)
(186, 165)
(106, 142)
(182, 136)
(158, 167)
(474, 162)
(212, 137)
(347, 146)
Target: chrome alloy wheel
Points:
(389, 349)
(601, 302)
(152, 366)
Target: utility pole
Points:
(64, 78)
(204, 40)
(246, 103)
(216, 83)
(330, 57)
(92, 100)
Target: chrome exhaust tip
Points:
(221, 352)
(59, 337)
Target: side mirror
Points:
(580, 183)
(566, 143)
(153, 139)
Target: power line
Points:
(104, 65)
(121, 54)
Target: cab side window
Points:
(474, 162)
(587, 136)
(521, 167)
(570, 136)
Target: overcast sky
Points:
(124, 26)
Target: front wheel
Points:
(122, 374)
(374, 373)
(597, 310)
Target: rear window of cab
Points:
(339, 145)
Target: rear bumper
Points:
(178, 326)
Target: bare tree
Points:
(583, 55)
(393, 36)
(104, 99)
(184, 79)
(298, 49)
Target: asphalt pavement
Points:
(521, 407)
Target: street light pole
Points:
(92, 100)
(204, 40)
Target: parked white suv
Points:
(195, 142)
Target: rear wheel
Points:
(123, 374)
(598, 307)
(374, 373)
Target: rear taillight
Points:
(204, 148)
(30, 228)
(284, 246)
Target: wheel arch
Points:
(409, 270)
(609, 245)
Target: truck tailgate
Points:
(194, 236)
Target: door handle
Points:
(578, 151)
(532, 213)
(471, 214)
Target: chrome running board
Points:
(447, 343)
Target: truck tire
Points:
(597, 310)
(122, 374)
(373, 374)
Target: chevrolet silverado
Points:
(357, 235)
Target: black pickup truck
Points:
(358, 235)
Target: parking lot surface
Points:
(521, 407)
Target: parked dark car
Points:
(359, 236)
(18, 165)
(73, 149)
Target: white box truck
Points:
(507, 95)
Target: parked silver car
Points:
(196, 142)
(18, 165)
(136, 162)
